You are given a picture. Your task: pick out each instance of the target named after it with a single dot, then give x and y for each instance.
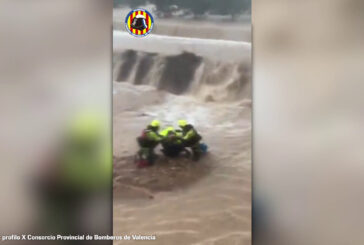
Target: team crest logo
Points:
(139, 22)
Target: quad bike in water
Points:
(145, 157)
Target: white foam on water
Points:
(212, 48)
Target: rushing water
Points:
(180, 201)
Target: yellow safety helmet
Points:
(155, 124)
(166, 131)
(182, 123)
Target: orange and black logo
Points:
(139, 22)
